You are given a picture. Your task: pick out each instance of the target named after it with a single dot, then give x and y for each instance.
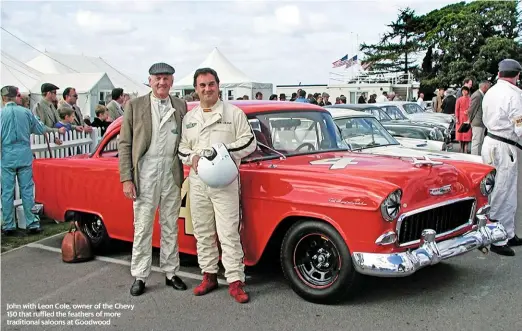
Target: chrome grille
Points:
(443, 219)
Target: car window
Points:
(364, 132)
(393, 112)
(291, 133)
(412, 108)
(406, 132)
(111, 147)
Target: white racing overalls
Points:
(157, 187)
(216, 210)
(502, 116)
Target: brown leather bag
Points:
(75, 246)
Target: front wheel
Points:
(317, 262)
(94, 228)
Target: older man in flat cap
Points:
(502, 116)
(152, 174)
(17, 124)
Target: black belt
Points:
(504, 140)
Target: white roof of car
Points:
(343, 112)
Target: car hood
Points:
(418, 122)
(432, 117)
(417, 143)
(365, 179)
(406, 151)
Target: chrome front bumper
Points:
(429, 251)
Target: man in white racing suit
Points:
(502, 116)
(216, 209)
(152, 175)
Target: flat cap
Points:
(9, 91)
(48, 87)
(509, 65)
(161, 69)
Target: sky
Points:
(270, 41)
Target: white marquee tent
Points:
(233, 82)
(56, 63)
(16, 73)
(89, 87)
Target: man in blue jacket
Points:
(17, 124)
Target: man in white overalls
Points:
(502, 116)
(215, 211)
(152, 174)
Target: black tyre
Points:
(92, 226)
(317, 262)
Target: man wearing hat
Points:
(17, 125)
(152, 174)
(502, 117)
(47, 112)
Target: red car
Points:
(330, 214)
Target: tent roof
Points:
(16, 73)
(68, 63)
(82, 82)
(227, 72)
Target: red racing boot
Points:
(236, 291)
(208, 284)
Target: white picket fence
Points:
(73, 143)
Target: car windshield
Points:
(394, 112)
(294, 133)
(364, 132)
(412, 108)
(378, 113)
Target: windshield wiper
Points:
(273, 150)
(372, 144)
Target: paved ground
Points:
(471, 292)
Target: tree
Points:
(468, 40)
(393, 52)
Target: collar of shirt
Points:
(503, 82)
(158, 100)
(11, 103)
(216, 106)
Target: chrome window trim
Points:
(437, 205)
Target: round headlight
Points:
(488, 183)
(391, 206)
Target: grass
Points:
(50, 227)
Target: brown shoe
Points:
(236, 291)
(208, 284)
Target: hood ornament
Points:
(427, 161)
(440, 190)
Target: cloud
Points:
(101, 23)
(282, 42)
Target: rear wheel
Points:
(317, 262)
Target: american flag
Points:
(351, 61)
(340, 62)
(366, 65)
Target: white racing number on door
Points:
(184, 211)
(335, 163)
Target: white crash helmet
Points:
(219, 169)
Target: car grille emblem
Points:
(440, 190)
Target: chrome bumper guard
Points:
(429, 251)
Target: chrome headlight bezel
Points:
(487, 184)
(391, 206)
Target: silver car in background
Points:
(414, 112)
